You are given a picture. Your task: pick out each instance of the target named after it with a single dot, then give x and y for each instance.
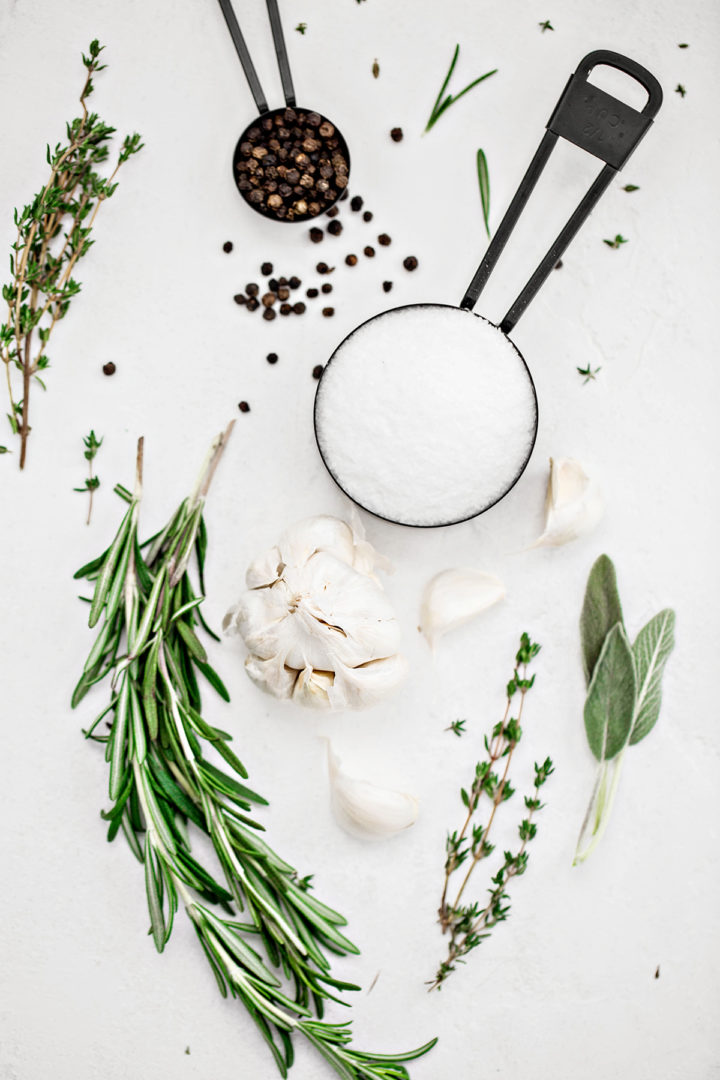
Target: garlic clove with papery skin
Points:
(454, 597)
(573, 504)
(365, 810)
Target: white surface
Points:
(426, 415)
(566, 987)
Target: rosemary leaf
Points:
(484, 184)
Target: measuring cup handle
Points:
(281, 52)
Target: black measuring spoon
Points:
(453, 449)
(291, 163)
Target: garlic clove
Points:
(313, 688)
(365, 557)
(271, 675)
(573, 504)
(321, 533)
(454, 597)
(366, 684)
(265, 570)
(365, 810)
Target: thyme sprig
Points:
(470, 924)
(53, 234)
(92, 482)
(442, 102)
(265, 935)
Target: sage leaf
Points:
(651, 649)
(610, 704)
(601, 611)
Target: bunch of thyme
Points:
(265, 936)
(53, 234)
(469, 924)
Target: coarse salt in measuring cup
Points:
(426, 415)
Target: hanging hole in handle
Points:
(620, 85)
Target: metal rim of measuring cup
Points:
(454, 521)
(257, 207)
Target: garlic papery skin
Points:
(365, 810)
(573, 504)
(316, 621)
(454, 597)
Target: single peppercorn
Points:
(273, 284)
(323, 268)
(333, 211)
(396, 134)
(282, 282)
(243, 406)
(369, 251)
(410, 263)
(227, 247)
(240, 298)
(252, 289)
(316, 235)
(272, 358)
(335, 228)
(269, 313)
(109, 368)
(356, 203)
(253, 304)
(326, 288)
(266, 269)
(387, 286)
(299, 307)
(328, 312)
(283, 293)
(367, 216)
(317, 371)
(294, 282)
(351, 260)
(558, 264)
(285, 309)
(269, 299)
(311, 293)
(384, 239)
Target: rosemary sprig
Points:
(265, 935)
(469, 924)
(53, 234)
(484, 185)
(443, 103)
(92, 482)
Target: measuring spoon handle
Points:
(596, 122)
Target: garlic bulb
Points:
(453, 597)
(365, 810)
(573, 504)
(318, 625)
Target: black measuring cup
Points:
(291, 163)
(472, 440)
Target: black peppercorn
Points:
(396, 134)
(299, 307)
(285, 309)
(253, 304)
(269, 313)
(316, 235)
(294, 282)
(272, 358)
(311, 293)
(243, 406)
(317, 371)
(369, 251)
(335, 228)
(326, 288)
(387, 286)
(333, 211)
(410, 263)
(266, 269)
(109, 368)
(384, 239)
(323, 268)
(328, 312)
(351, 260)
(240, 298)
(227, 247)
(273, 284)
(558, 264)
(356, 203)
(367, 216)
(252, 289)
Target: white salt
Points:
(426, 415)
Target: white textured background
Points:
(566, 988)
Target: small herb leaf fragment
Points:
(631, 187)
(610, 702)
(442, 102)
(546, 25)
(589, 373)
(457, 727)
(484, 185)
(651, 650)
(301, 27)
(616, 241)
(680, 89)
(375, 69)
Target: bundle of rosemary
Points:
(265, 936)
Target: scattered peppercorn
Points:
(317, 371)
(311, 293)
(266, 269)
(369, 251)
(269, 299)
(269, 313)
(387, 286)
(367, 216)
(273, 284)
(323, 268)
(356, 203)
(294, 282)
(384, 239)
(227, 247)
(333, 212)
(396, 134)
(243, 406)
(285, 309)
(299, 307)
(282, 282)
(253, 304)
(316, 235)
(109, 368)
(410, 263)
(351, 260)
(326, 288)
(335, 228)
(272, 358)
(252, 289)
(283, 293)
(558, 264)
(240, 298)
(328, 312)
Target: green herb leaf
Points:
(484, 184)
(601, 610)
(610, 703)
(651, 650)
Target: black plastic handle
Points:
(595, 121)
(246, 60)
